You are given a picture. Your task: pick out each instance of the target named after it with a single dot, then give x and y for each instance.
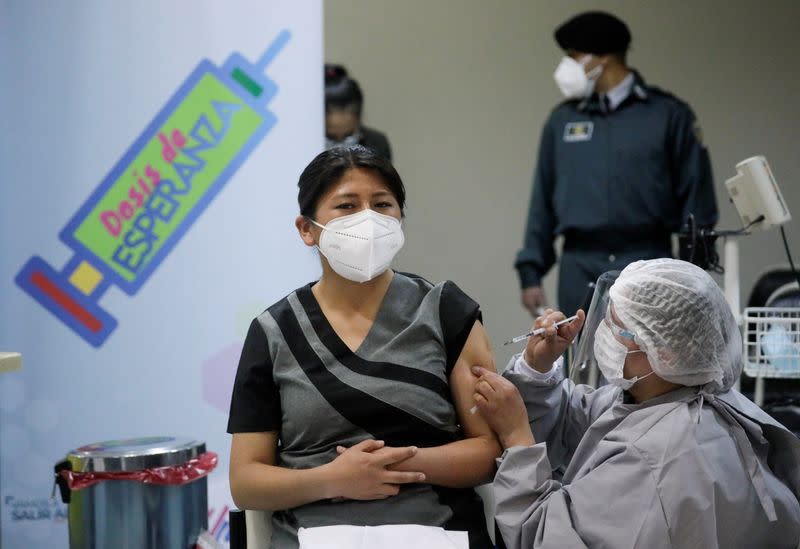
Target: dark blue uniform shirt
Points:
(626, 176)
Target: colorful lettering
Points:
(138, 242)
(111, 222)
(168, 152)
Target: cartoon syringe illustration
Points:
(154, 194)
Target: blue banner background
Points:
(82, 82)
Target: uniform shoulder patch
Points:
(698, 132)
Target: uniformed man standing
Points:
(621, 167)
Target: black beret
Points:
(594, 32)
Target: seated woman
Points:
(351, 402)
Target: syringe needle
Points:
(539, 331)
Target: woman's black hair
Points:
(341, 91)
(328, 168)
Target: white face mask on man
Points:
(610, 354)
(362, 245)
(573, 81)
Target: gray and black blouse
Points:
(297, 377)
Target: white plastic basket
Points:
(772, 342)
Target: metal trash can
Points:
(144, 493)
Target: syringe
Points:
(153, 195)
(539, 331)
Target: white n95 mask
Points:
(571, 79)
(610, 355)
(362, 245)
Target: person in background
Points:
(351, 401)
(666, 455)
(621, 167)
(344, 103)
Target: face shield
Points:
(584, 367)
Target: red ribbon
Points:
(176, 475)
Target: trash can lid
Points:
(135, 454)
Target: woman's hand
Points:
(386, 452)
(542, 350)
(502, 407)
(362, 471)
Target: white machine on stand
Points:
(771, 335)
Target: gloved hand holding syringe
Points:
(533, 333)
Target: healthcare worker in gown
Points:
(666, 454)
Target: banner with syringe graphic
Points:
(153, 195)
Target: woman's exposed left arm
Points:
(471, 460)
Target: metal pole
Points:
(758, 397)
(731, 277)
(730, 283)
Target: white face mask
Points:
(362, 245)
(571, 79)
(610, 354)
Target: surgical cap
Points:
(681, 320)
(594, 32)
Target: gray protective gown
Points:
(686, 469)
